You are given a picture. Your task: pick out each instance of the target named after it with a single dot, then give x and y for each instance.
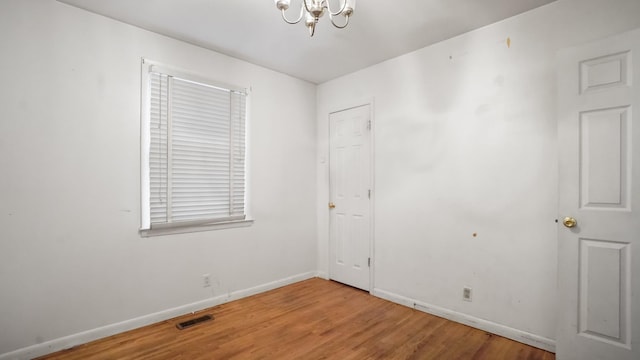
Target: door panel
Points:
(604, 150)
(604, 291)
(599, 258)
(349, 167)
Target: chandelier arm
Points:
(339, 26)
(306, 7)
(331, 13)
(284, 17)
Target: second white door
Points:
(350, 196)
(599, 202)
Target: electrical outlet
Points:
(466, 294)
(206, 280)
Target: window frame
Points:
(146, 227)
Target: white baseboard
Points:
(322, 275)
(104, 331)
(494, 328)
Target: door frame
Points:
(348, 106)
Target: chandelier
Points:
(312, 11)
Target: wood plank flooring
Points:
(313, 319)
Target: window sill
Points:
(196, 228)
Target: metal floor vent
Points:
(193, 322)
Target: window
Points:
(193, 152)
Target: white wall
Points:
(71, 259)
(465, 142)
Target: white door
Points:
(350, 193)
(599, 186)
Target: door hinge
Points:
(369, 125)
(369, 194)
(369, 262)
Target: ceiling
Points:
(253, 30)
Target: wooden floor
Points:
(313, 319)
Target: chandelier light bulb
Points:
(348, 9)
(282, 4)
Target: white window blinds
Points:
(196, 152)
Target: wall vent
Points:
(193, 322)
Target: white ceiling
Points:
(253, 30)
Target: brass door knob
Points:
(332, 205)
(569, 222)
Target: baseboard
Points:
(104, 331)
(494, 328)
(322, 275)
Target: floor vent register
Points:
(193, 322)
